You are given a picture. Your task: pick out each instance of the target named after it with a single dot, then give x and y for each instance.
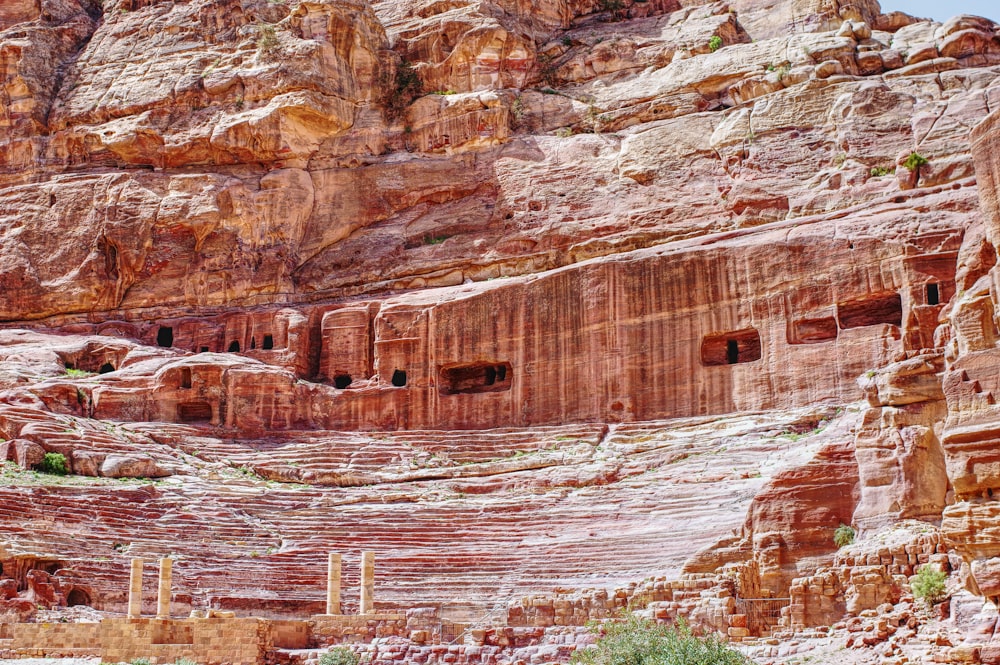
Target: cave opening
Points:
(475, 378)
(731, 348)
(165, 336)
(399, 378)
(342, 381)
(268, 342)
(234, 346)
(77, 597)
(105, 368)
(933, 294)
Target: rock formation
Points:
(559, 308)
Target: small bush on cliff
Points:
(399, 89)
(715, 43)
(928, 584)
(636, 641)
(914, 162)
(267, 41)
(54, 463)
(339, 656)
(843, 536)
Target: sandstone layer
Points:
(557, 307)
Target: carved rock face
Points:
(361, 245)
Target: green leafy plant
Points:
(843, 535)
(715, 43)
(399, 90)
(267, 40)
(54, 463)
(77, 373)
(139, 661)
(636, 641)
(879, 171)
(339, 656)
(928, 584)
(914, 162)
(188, 661)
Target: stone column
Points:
(163, 597)
(333, 584)
(367, 583)
(135, 590)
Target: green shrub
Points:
(339, 656)
(715, 43)
(267, 40)
(77, 373)
(139, 661)
(843, 536)
(186, 661)
(879, 171)
(54, 463)
(400, 90)
(914, 162)
(636, 641)
(928, 584)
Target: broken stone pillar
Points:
(367, 583)
(333, 584)
(135, 590)
(163, 595)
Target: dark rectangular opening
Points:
(253, 343)
(811, 331)
(165, 336)
(268, 342)
(933, 294)
(871, 311)
(476, 378)
(399, 378)
(194, 412)
(342, 381)
(732, 351)
(234, 346)
(742, 346)
(185, 377)
(204, 349)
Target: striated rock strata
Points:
(560, 308)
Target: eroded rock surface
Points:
(560, 307)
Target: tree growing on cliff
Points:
(637, 641)
(913, 164)
(843, 535)
(400, 86)
(928, 584)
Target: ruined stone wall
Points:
(236, 641)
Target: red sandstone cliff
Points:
(521, 295)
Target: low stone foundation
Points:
(210, 641)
